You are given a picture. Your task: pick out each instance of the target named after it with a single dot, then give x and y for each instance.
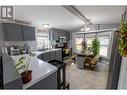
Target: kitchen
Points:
(44, 37)
(17, 44)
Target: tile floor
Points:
(87, 79)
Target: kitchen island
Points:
(44, 75)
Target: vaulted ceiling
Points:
(59, 17)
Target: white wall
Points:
(31, 44)
(123, 71)
(123, 74)
(99, 27)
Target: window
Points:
(104, 43)
(89, 38)
(78, 42)
(42, 40)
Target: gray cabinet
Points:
(58, 55)
(54, 34)
(11, 78)
(68, 36)
(62, 34)
(46, 56)
(52, 55)
(12, 32)
(28, 33)
(16, 32)
(49, 82)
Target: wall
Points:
(109, 26)
(123, 71)
(98, 27)
(31, 44)
(123, 74)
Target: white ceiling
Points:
(55, 16)
(59, 17)
(102, 14)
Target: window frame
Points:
(80, 36)
(42, 34)
(90, 36)
(109, 42)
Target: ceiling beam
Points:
(77, 13)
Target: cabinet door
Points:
(50, 82)
(28, 33)
(52, 55)
(67, 36)
(46, 56)
(12, 32)
(59, 55)
(55, 35)
(60, 33)
(4, 31)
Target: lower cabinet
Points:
(58, 55)
(51, 55)
(46, 56)
(49, 82)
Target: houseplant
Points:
(23, 67)
(122, 47)
(95, 47)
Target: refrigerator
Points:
(114, 64)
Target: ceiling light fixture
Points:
(45, 25)
(82, 29)
(87, 29)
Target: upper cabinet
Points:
(55, 34)
(16, 32)
(12, 32)
(28, 33)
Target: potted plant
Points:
(95, 47)
(122, 47)
(23, 67)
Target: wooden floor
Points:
(87, 79)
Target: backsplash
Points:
(31, 44)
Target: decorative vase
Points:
(26, 76)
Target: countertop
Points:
(40, 69)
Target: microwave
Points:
(63, 39)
